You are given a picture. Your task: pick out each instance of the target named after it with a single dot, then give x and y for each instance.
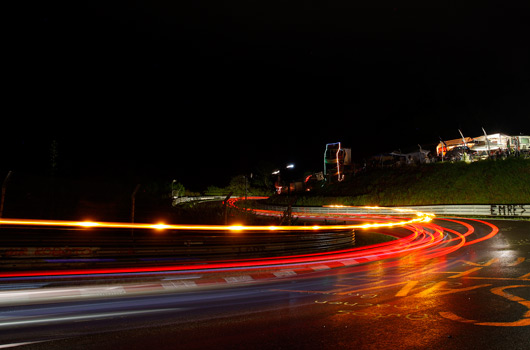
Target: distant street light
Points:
(288, 166)
(278, 172)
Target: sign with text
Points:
(509, 210)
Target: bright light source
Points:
(160, 226)
(290, 166)
(420, 217)
(88, 224)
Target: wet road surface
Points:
(477, 297)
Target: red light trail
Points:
(425, 240)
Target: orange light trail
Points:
(160, 226)
(426, 240)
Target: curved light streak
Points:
(425, 238)
(421, 217)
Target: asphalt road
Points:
(477, 297)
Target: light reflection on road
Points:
(431, 251)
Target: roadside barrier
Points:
(25, 248)
(493, 210)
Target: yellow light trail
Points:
(420, 217)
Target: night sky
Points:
(202, 90)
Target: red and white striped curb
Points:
(9, 297)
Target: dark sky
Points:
(202, 89)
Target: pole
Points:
(133, 202)
(487, 141)
(246, 189)
(464, 144)
(225, 207)
(246, 202)
(443, 148)
(4, 186)
(463, 138)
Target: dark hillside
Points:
(484, 182)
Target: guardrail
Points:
(22, 248)
(179, 200)
(499, 210)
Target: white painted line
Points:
(99, 291)
(349, 262)
(371, 257)
(178, 284)
(238, 279)
(320, 267)
(285, 273)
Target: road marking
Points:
(517, 262)
(465, 273)
(356, 290)
(489, 263)
(527, 276)
(320, 267)
(238, 279)
(451, 316)
(500, 291)
(284, 273)
(406, 289)
(522, 278)
(443, 291)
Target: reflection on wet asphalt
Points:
(475, 297)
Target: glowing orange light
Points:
(421, 217)
(425, 241)
(160, 226)
(88, 224)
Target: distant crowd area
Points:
(495, 146)
(338, 162)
